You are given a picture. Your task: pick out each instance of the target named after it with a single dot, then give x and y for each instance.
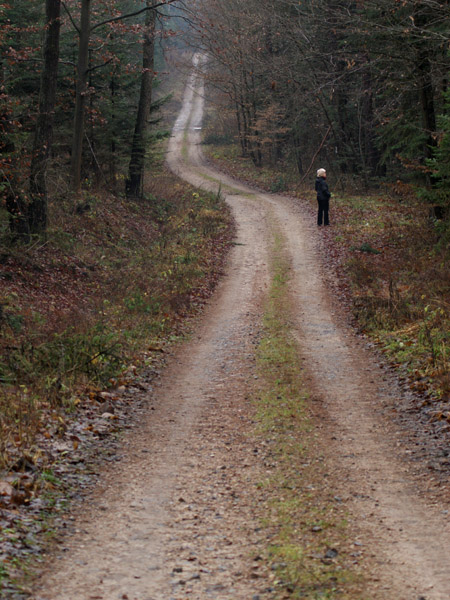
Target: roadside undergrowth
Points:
(85, 314)
(106, 285)
(397, 264)
(310, 552)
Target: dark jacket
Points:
(323, 193)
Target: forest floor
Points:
(275, 457)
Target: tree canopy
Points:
(357, 84)
(361, 86)
(70, 81)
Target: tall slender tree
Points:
(37, 207)
(135, 179)
(84, 31)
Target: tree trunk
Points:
(37, 208)
(80, 100)
(134, 183)
(296, 144)
(10, 165)
(426, 92)
(113, 159)
(424, 59)
(367, 126)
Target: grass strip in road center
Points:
(310, 550)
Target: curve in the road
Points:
(410, 534)
(126, 543)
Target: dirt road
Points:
(175, 519)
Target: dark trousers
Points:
(322, 213)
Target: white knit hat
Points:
(321, 172)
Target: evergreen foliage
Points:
(110, 100)
(441, 161)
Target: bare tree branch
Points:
(133, 14)
(99, 66)
(70, 17)
(315, 155)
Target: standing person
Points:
(323, 197)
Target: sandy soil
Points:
(174, 519)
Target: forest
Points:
(360, 86)
(107, 257)
(69, 71)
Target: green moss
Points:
(302, 518)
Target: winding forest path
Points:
(174, 519)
